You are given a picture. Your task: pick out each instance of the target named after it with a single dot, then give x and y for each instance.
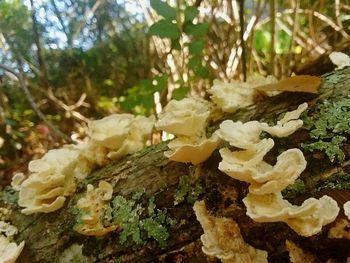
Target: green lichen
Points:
(294, 190)
(337, 181)
(9, 196)
(139, 223)
(329, 126)
(156, 227)
(332, 148)
(127, 214)
(189, 189)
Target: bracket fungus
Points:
(9, 251)
(236, 95)
(240, 135)
(54, 176)
(139, 132)
(264, 202)
(222, 239)
(110, 131)
(193, 150)
(51, 180)
(263, 177)
(297, 255)
(288, 124)
(306, 219)
(186, 117)
(93, 208)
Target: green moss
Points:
(189, 189)
(9, 196)
(294, 190)
(329, 126)
(336, 181)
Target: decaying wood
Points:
(47, 235)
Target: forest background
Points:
(63, 62)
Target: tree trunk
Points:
(47, 236)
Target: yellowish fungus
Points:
(222, 239)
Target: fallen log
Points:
(156, 196)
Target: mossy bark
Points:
(48, 235)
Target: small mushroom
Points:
(341, 60)
(222, 238)
(92, 205)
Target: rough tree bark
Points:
(48, 235)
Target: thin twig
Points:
(241, 33)
(273, 36)
(33, 104)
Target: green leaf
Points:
(195, 62)
(162, 82)
(197, 30)
(175, 44)
(196, 47)
(165, 29)
(190, 13)
(164, 9)
(202, 71)
(180, 93)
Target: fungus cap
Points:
(240, 135)
(306, 219)
(192, 150)
(186, 117)
(110, 131)
(288, 124)
(9, 251)
(347, 209)
(290, 164)
(231, 96)
(44, 192)
(60, 160)
(140, 131)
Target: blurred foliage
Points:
(88, 58)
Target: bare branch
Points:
(33, 104)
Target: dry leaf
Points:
(302, 83)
